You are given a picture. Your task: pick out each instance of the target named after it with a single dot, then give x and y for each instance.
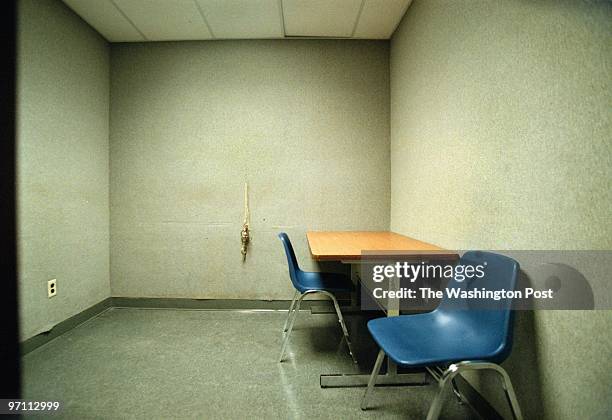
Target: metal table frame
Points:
(392, 376)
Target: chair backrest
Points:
(291, 260)
(492, 319)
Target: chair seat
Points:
(331, 282)
(434, 338)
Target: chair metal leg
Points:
(343, 325)
(510, 394)
(292, 316)
(290, 311)
(456, 391)
(436, 405)
(456, 368)
(296, 310)
(372, 381)
(295, 314)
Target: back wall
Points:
(306, 123)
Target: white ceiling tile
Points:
(379, 18)
(106, 19)
(166, 20)
(243, 18)
(334, 18)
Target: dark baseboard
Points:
(212, 304)
(38, 340)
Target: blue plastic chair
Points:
(459, 335)
(306, 283)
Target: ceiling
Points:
(173, 20)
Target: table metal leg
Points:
(392, 376)
(361, 379)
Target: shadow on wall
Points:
(523, 367)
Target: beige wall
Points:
(62, 164)
(500, 139)
(305, 122)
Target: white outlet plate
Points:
(52, 288)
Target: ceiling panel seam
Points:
(282, 17)
(358, 17)
(212, 34)
(129, 20)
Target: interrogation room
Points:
(190, 176)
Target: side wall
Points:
(62, 164)
(500, 139)
(306, 123)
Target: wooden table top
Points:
(348, 245)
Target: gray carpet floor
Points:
(181, 364)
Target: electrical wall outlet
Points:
(52, 288)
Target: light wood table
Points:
(355, 248)
(349, 246)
